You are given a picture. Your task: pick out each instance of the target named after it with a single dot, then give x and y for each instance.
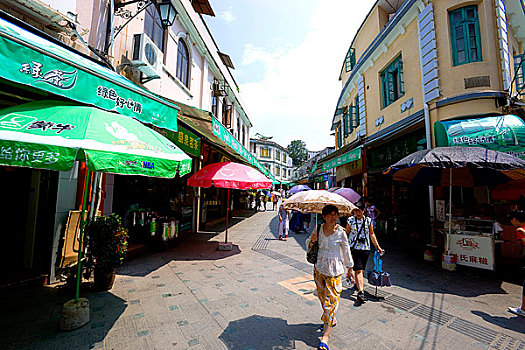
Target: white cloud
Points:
(228, 16)
(298, 92)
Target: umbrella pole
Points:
(81, 236)
(227, 215)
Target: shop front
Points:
(482, 235)
(217, 144)
(404, 207)
(38, 67)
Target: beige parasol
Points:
(313, 202)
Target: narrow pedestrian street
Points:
(261, 295)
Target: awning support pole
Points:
(81, 235)
(227, 215)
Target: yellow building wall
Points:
(407, 45)
(451, 78)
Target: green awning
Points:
(348, 157)
(504, 133)
(53, 134)
(31, 60)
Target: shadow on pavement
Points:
(418, 275)
(31, 318)
(191, 247)
(259, 332)
(513, 322)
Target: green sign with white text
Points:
(348, 157)
(503, 133)
(34, 61)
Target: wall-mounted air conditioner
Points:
(147, 57)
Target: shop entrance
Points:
(27, 216)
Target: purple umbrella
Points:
(349, 194)
(299, 188)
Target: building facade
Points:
(273, 157)
(312, 174)
(413, 70)
(126, 47)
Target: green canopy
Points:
(52, 135)
(31, 60)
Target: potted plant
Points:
(107, 246)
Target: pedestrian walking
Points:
(257, 201)
(517, 218)
(283, 223)
(360, 231)
(333, 256)
(274, 201)
(263, 202)
(307, 217)
(371, 211)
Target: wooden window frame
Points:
(392, 82)
(464, 25)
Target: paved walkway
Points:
(260, 296)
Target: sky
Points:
(287, 56)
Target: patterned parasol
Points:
(313, 201)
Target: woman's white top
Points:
(334, 252)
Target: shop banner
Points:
(185, 139)
(34, 61)
(53, 134)
(504, 133)
(321, 178)
(224, 134)
(383, 156)
(349, 169)
(474, 251)
(350, 156)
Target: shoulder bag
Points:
(311, 253)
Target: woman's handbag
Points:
(311, 254)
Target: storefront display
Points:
(473, 241)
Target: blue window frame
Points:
(392, 82)
(464, 35)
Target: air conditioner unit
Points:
(147, 57)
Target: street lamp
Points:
(165, 9)
(167, 13)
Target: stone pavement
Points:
(260, 296)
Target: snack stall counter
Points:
(473, 241)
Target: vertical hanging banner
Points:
(223, 134)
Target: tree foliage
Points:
(298, 152)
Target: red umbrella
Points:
(229, 175)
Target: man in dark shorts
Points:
(517, 218)
(360, 231)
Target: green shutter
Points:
(357, 118)
(401, 77)
(464, 35)
(345, 124)
(519, 69)
(350, 60)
